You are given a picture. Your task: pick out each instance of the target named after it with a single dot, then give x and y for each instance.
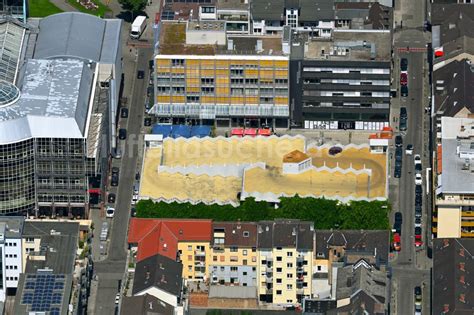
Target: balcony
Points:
(199, 253)
(455, 202)
(199, 263)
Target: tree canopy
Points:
(133, 6)
(326, 214)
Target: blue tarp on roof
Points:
(181, 131)
(201, 131)
(164, 130)
(176, 131)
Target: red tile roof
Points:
(156, 236)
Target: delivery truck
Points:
(138, 26)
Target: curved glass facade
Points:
(17, 177)
(8, 93)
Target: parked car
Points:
(418, 179)
(409, 149)
(418, 240)
(418, 190)
(417, 309)
(418, 222)
(398, 141)
(402, 124)
(417, 159)
(418, 169)
(404, 91)
(111, 198)
(124, 112)
(403, 64)
(398, 172)
(109, 213)
(418, 295)
(147, 121)
(133, 212)
(403, 78)
(115, 179)
(418, 200)
(397, 242)
(397, 228)
(117, 298)
(403, 113)
(140, 74)
(122, 134)
(418, 211)
(398, 217)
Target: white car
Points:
(417, 159)
(117, 298)
(109, 213)
(418, 222)
(418, 179)
(409, 149)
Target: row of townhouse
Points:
(452, 113)
(278, 262)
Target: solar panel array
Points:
(167, 15)
(44, 293)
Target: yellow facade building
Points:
(285, 256)
(234, 79)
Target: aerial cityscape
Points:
(211, 157)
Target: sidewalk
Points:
(64, 5)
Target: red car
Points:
(397, 242)
(403, 78)
(418, 240)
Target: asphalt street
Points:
(111, 270)
(410, 267)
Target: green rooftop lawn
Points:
(42, 8)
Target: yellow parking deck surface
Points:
(185, 187)
(181, 152)
(311, 182)
(222, 189)
(358, 159)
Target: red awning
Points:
(95, 191)
(250, 132)
(237, 132)
(264, 132)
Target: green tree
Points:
(133, 6)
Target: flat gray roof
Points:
(54, 102)
(59, 241)
(236, 292)
(454, 179)
(80, 35)
(361, 45)
(12, 227)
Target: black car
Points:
(149, 91)
(398, 217)
(418, 189)
(115, 179)
(403, 113)
(398, 141)
(147, 121)
(418, 202)
(150, 64)
(137, 176)
(140, 74)
(122, 134)
(398, 171)
(418, 168)
(404, 91)
(403, 124)
(133, 212)
(124, 112)
(398, 154)
(111, 198)
(418, 231)
(404, 64)
(398, 228)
